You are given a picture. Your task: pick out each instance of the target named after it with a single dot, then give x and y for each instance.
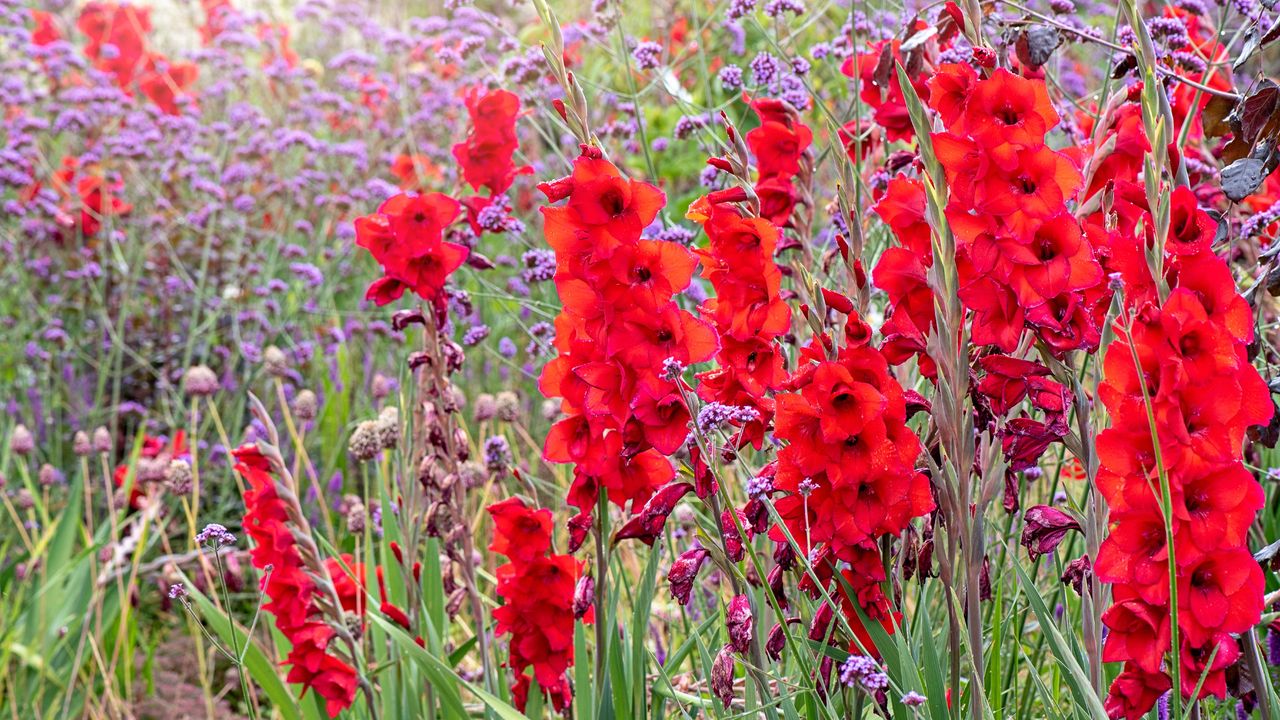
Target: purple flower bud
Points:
(722, 675)
(822, 679)
(777, 641)
(821, 620)
(584, 596)
(734, 547)
(1045, 529)
(741, 624)
(778, 586)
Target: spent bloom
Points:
(200, 381)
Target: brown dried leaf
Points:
(1235, 150)
(1215, 115)
(884, 69)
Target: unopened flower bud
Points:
(23, 500)
(550, 410)
(199, 381)
(101, 440)
(389, 427)
(740, 623)
(151, 470)
(305, 406)
(777, 640)
(381, 386)
(822, 679)
(48, 475)
(275, 362)
(584, 596)
(80, 444)
(21, 441)
(508, 406)
(820, 622)
(357, 516)
(455, 602)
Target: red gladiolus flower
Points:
(1005, 109)
(902, 207)
(1134, 691)
(1220, 591)
(406, 236)
(538, 594)
(780, 140)
(1181, 362)
(622, 343)
(880, 91)
(1191, 230)
(519, 533)
(485, 156)
(289, 588)
(848, 468)
(1139, 633)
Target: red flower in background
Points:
(46, 31)
(406, 237)
(158, 452)
(485, 156)
(164, 82)
(117, 44)
(878, 87)
(780, 145)
(289, 588)
(117, 38)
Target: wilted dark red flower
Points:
(1045, 529)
